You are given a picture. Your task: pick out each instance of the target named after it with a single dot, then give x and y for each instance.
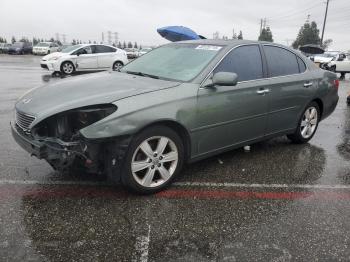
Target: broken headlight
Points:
(66, 125)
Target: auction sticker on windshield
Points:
(209, 47)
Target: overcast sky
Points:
(137, 20)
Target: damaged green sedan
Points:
(179, 103)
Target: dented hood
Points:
(75, 92)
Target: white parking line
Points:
(242, 185)
(179, 184)
(68, 183)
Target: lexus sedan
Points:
(85, 57)
(179, 103)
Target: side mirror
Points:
(225, 79)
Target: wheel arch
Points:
(179, 129)
(320, 105)
(118, 60)
(67, 60)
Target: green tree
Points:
(13, 40)
(129, 44)
(327, 43)
(266, 35)
(124, 45)
(35, 41)
(308, 34)
(240, 36)
(135, 45)
(119, 45)
(74, 42)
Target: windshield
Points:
(43, 44)
(180, 62)
(71, 48)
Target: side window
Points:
(245, 61)
(302, 66)
(83, 51)
(104, 49)
(280, 61)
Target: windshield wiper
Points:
(142, 74)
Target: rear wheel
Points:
(307, 125)
(154, 158)
(117, 65)
(67, 68)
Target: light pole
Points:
(324, 22)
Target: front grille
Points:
(24, 120)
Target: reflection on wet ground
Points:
(278, 202)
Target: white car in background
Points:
(325, 57)
(45, 48)
(132, 53)
(86, 57)
(144, 50)
(340, 64)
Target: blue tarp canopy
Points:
(178, 33)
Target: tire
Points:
(307, 124)
(67, 68)
(152, 171)
(117, 66)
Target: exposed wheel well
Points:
(320, 105)
(180, 130)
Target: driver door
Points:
(233, 115)
(87, 59)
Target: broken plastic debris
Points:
(220, 161)
(246, 148)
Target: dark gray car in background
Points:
(179, 103)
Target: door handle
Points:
(263, 91)
(308, 84)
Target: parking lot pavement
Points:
(278, 202)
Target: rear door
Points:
(291, 88)
(105, 56)
(230, 115)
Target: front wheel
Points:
(67, 68)
(307, 125)
(154, 158)
(117, 65)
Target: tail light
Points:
(336, 83)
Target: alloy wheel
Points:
(117, 66)
(154, 161)
(67, 68)
(309, 122)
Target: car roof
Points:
(230, 42)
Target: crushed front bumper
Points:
(33, 147)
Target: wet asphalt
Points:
(278, 202)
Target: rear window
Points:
(302, 66)
(104, 49)
(280, 61)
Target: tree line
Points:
(308, 34)
(36, 40)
